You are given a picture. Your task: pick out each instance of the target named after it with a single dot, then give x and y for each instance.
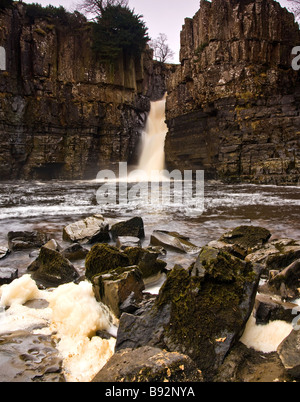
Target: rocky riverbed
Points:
(203, 322)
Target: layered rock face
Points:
(233, 104)
(62, 113)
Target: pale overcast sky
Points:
(161, 16)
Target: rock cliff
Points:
(62, 113)
(233, 104)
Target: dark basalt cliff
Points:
(62, 113)
(234, 102)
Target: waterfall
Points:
(152, 157)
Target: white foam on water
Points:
(265, 338)
(73, 317)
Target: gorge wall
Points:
(62, 113)
(233, 104)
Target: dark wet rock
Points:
(25, 357)
(287, 282)
(247, 365)
(25, 240)
(128, 241)
(102, 258)
(7, 275)
(90, 230)
(146, 259)
(289, 353)
(247, 238)
(201, 316)
(149, 364)
(271, 308)
(132, 227)
(114, 288)
(74, 252)
(277, 254)
(52, 269)
(173, 241)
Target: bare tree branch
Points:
(96, 7)
(161, 49)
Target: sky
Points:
(160, 16)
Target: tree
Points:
(118, 30)
(96, 7)
(5, 4)
(162, 51)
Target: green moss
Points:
(204, 309)
(102, 258)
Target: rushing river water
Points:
(49, 206)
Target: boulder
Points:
(133, 227)
(246, 238)
(128, 241)
(269, 308)
(74, 252)
(26, 240)
(7, 275)
(146, 259)
(90, 230)
(198, 315)
(276, 255)
(173, 241)
(115, 287)
(289, 353)
(287, 282)
(103, 258)
(149, 364)
(53, 245)
(247, 365)
(51, 269)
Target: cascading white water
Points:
(152, 158)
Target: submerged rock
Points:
(25, 357)
(90, 230)
(173, 241)
(133, 227)
(52, 269)
(25, 240)
(198, 315)
(115, 287)
(149, 364)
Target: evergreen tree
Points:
(119, 30)
(5, 4)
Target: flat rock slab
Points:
(89, 230)
(25, 357)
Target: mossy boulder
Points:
(103, 258)
(51, 269)
(198, 315)
(247, 237)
